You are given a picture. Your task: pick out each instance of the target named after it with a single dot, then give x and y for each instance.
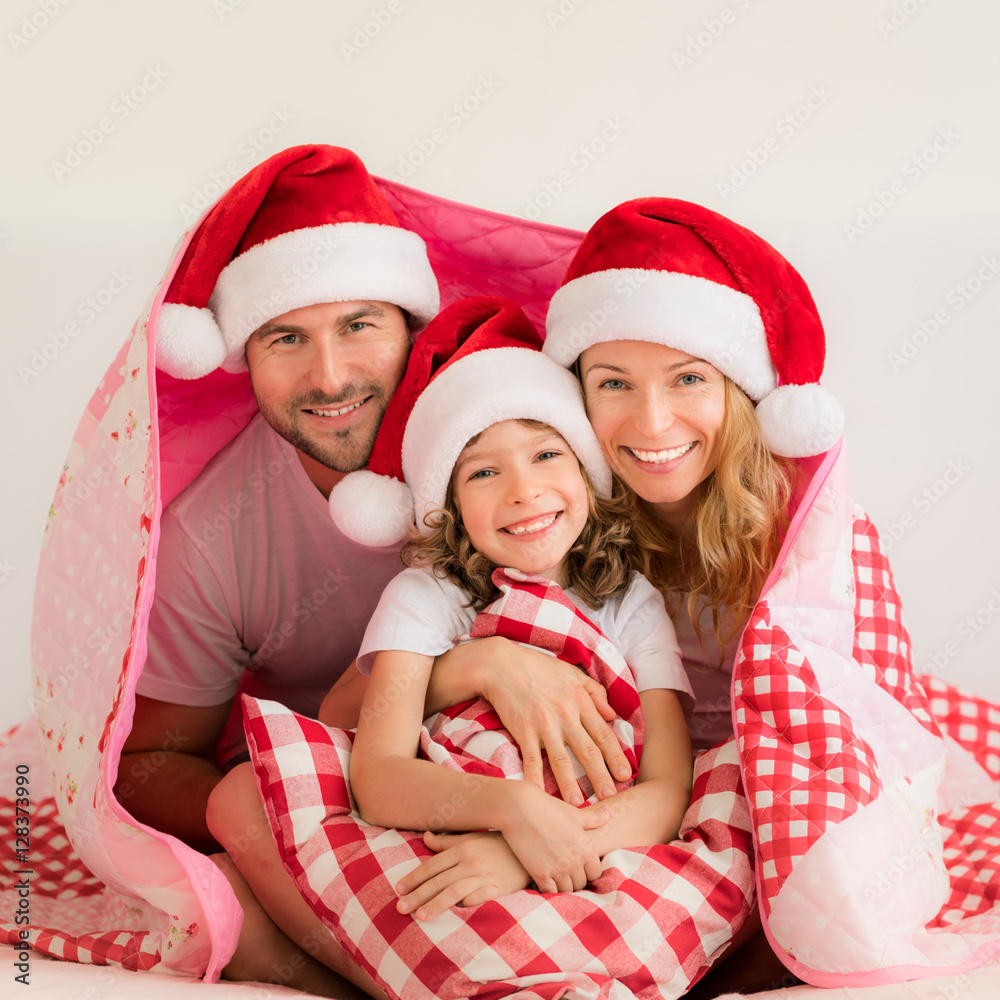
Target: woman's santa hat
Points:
(304, 227)
(674, 273)
(478, 363)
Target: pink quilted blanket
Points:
(873, 793)
(648, 927)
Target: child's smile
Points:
(522, 497)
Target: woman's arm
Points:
(393, 788)
(543, 702)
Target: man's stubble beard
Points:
(358, 441)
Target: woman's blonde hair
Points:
(598, 566)
(739, 524)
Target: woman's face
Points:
(658, 413)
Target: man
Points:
(310, 285)
(301, 276)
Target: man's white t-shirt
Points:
(422, 613)
(256, 588)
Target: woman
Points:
(677, 323)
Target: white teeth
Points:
(532, 526)
(659, 457)
(337, 413)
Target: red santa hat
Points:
(478, 363)
(674, 273)
(304, 227)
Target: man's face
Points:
(323, 375)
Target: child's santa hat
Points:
(478, 363)
(304, 227)
(674, 273)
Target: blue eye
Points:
(358, 327)
(481, 474)
(690, 379)
(548, 454)
(288, 338)
(612, 383)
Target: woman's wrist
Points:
(460, 674)
(486, 665)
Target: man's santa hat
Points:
(304, 227)
(478, 363)
(674, 273)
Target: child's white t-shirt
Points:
(422, 613)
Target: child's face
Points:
(522, 497)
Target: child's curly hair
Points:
(598, 566)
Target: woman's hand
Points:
(544, 703)
(470, 868)
(550, 839)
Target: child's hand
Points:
(549, 838)
(471, 868)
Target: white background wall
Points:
(694, 90)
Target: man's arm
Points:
(167, 771)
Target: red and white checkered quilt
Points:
(647, 928)
(874, 793)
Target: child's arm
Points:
(393, 788)
(469, 871)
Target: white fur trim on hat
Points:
(188, 342)
(372, 510)
(797, 421)
(710, 321)
(335, 263)
(482, 389)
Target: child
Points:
(496, 488)
(502, 470)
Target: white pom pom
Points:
(188, 341)
(372, 510)
(800, 420)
